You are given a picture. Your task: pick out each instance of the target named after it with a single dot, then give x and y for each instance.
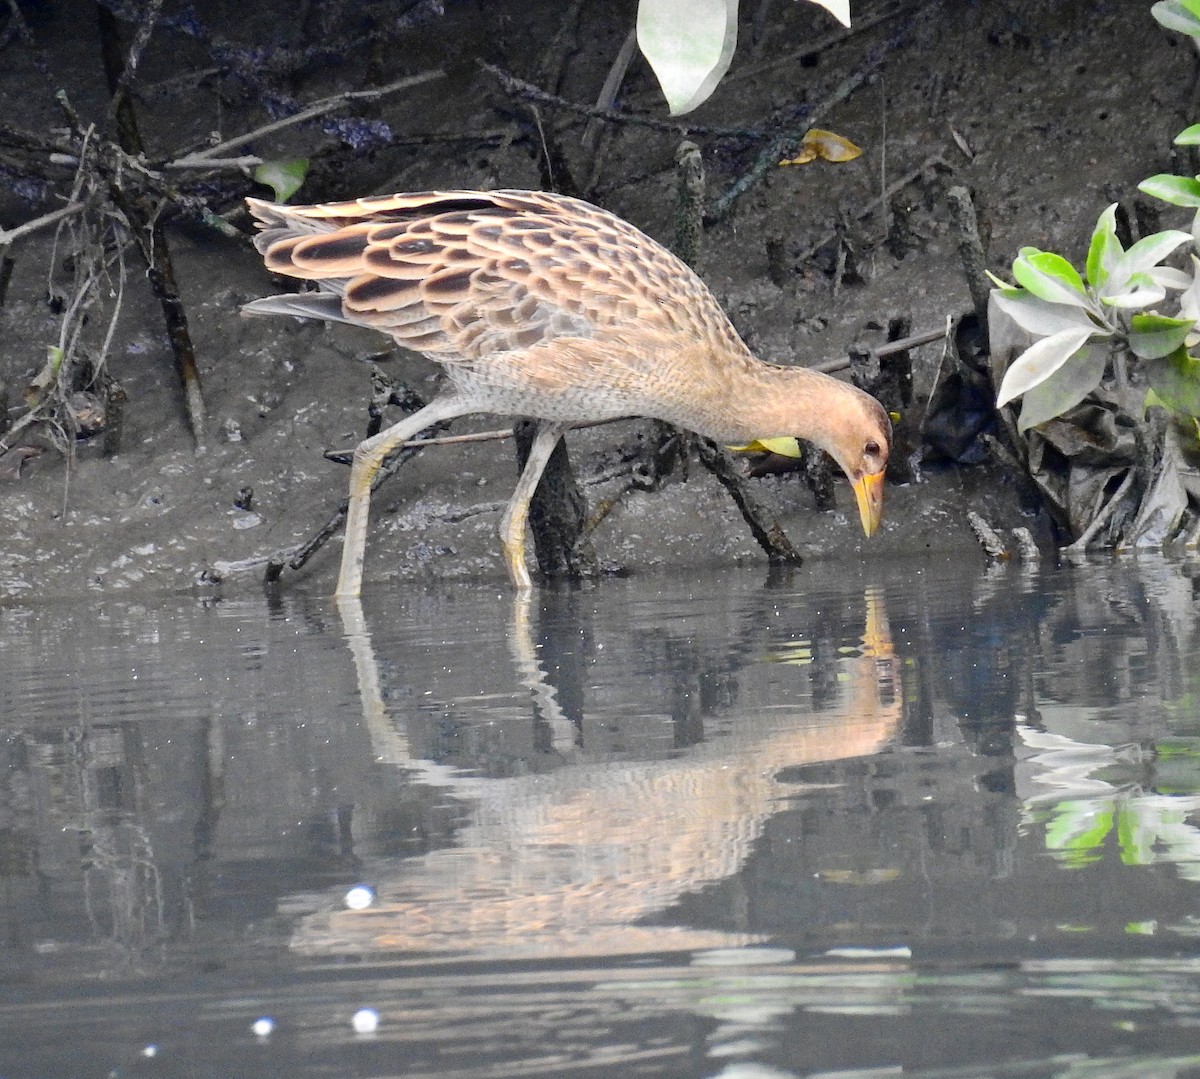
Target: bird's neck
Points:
(773, 402)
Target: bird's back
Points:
(463, 275)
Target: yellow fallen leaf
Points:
(825, 145)
(785, 447)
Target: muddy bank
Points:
(1017, 99)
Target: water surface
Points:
(925, 819)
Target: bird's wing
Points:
(462, 275)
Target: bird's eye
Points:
(871, 449)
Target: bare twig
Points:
(141, 39)
(318, 108)
(611, 87)
(520, 88)
(247, 161)
(765, 529)
(689, 203)
(870, 207)
(10, 236)
(1101, 518)
(902, 345)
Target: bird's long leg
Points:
(368, 456)
(512, 524)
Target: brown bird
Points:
(545, 306)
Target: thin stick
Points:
(903, 345)
(141, 39)
(612, 86)
(10, 236)
(521, 88)
(318, 108)
(869, 208)
(1101, 518)
(248, 161)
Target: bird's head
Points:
(860, 443)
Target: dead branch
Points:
(318, 108)
(519, 88)
(11, 236)
(892, 347)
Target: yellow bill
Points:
(868, 491)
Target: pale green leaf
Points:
(284, 177)
(1138, 291)
(1149, 251)
(1170, 278)
(839, 9)
(1189, 136)
(1040, 317)
(1038, 362)
(1049, 277)
(1104, 249)
(1064, 389)
(689, 45)
(1189, 299)
(1154, 336)
(1181, 15)
(1175, 382)
(1177, 190)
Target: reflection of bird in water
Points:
(545, 306)
(575, 861)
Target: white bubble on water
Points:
(365, 1021)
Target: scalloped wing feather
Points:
(463, 275)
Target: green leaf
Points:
(1154, 336)
(689, 45)
(1038, 362)
(284, 176)
(1049, 277)
(1140, 290)
(1177, 190)
(1040, 317)
(1189, 136)
(1175, 382)
(1104, 249)
(1150, 251)
(1063, 390)
(1181, 15)
(1168, 277)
